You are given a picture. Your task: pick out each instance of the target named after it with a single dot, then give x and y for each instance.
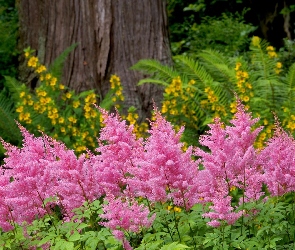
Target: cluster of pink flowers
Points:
(231, 163)
(164, 172)
(157, 169)
(278, 160)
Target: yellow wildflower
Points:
(87, 108)
(246, 98)
(72, 119)
(40, 69)
(53, 81)
(20, 109)
(61, 120)
(256, 41)
(87, 115)
(270, 48)
(76, 104)
(22, 94)
(238, 65)
(48, 76)
(68, 95)
(177, 209)
(33, 62)
(279, 65)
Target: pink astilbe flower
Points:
(278, 160)
(222, 211)
(231, 163)
(32, 179)
(41, 169)
(76, 182)
(118, 150)
(124, 214)
(165, 172)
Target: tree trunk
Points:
(112, 36)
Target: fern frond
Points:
(193, 70)
(290, 78)
(56, 66)
(154, 81)
(218, 66)
(14, 87)
(8, 127)
(157, 70)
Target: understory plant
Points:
(55, 109)
(198, 90)
(149, 193)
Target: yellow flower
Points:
(61, 86)
(272, 54)
(20, 109)
(40, 69)
(33, 62)
(48, 76)
(93, 114)
(246, 98)
(36, 106)
(115, 81)
(61, 120)
(177, 209)
(30, 102)
(53, 81)
(87, 108)
(245, 74)
(26, 116)
(27, 54)
(68, 95)
(238, 65)
(62, 129)
(76, 104)
(164, 108)
(256, 41)
(87, 115)
(279, 65)
(22, 94)
(270, 48)
(72, 119)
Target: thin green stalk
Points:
(184, 203)
(176, 225)
(13, 222)
(88, 203)
(48, 212)
(168, 226)
(150, 208)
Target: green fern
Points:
(57, 65)
(219, 66)
(163, 74)
(14, 87)
(8, 127)
(193, 70)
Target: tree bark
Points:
(112, 35)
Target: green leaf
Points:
(74, 237)
(174, 246)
